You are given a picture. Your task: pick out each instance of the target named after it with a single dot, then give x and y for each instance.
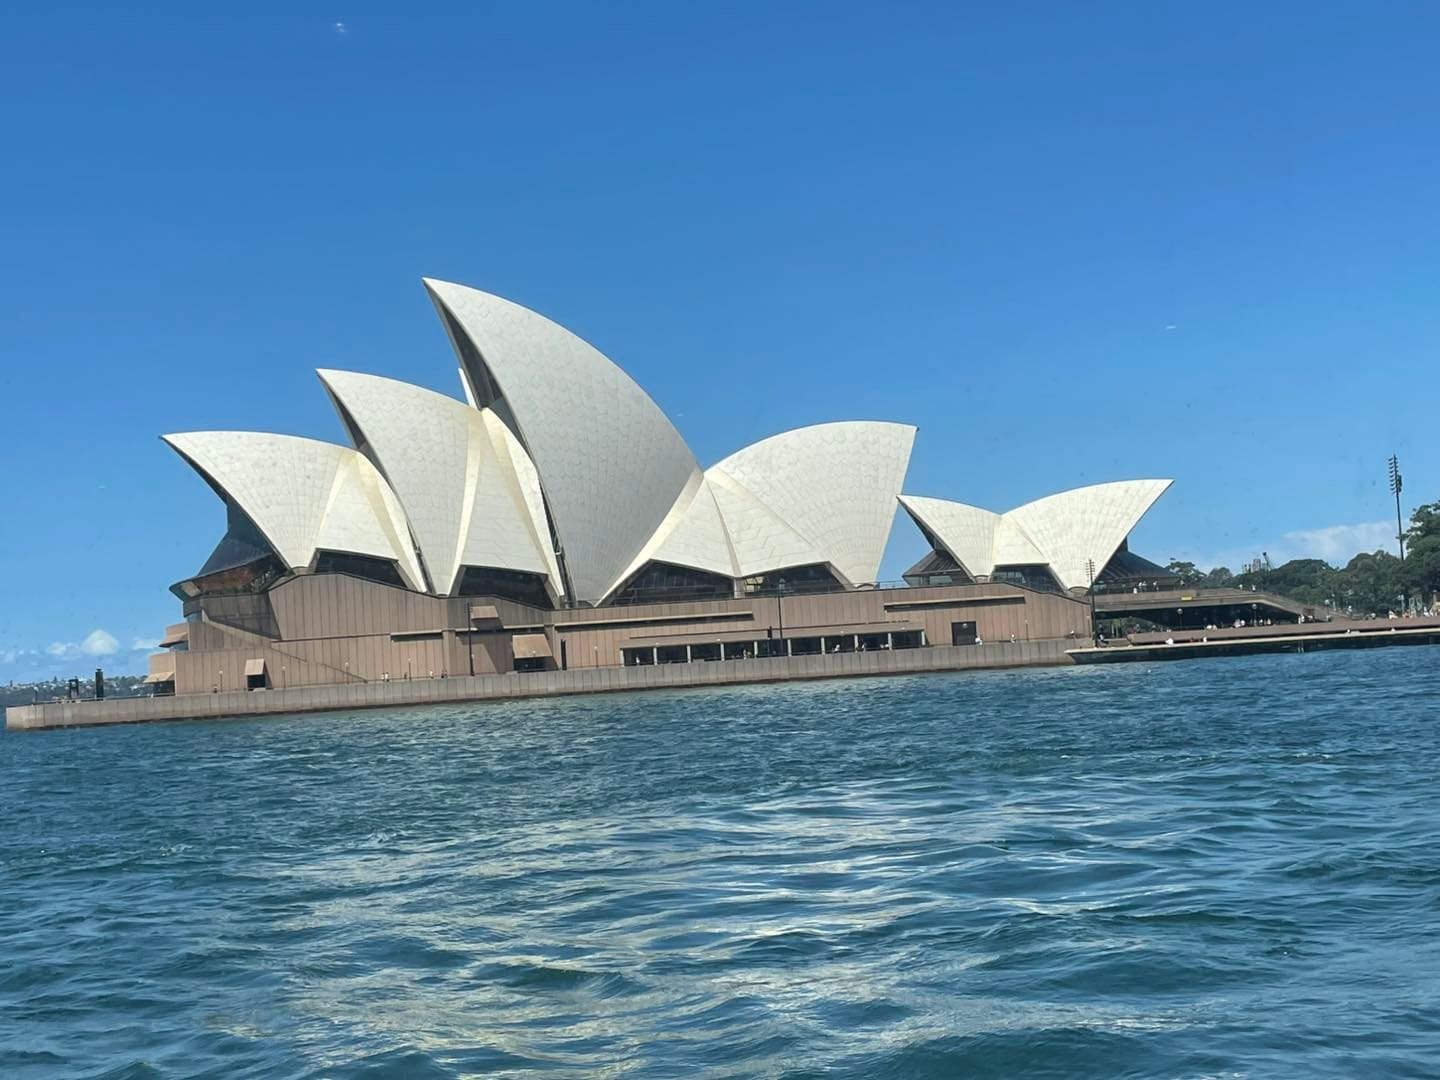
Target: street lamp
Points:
(780, 609)
(1090, 572)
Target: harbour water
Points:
(1224, 868)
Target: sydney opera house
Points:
(554, 518)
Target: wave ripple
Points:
(1216, 869)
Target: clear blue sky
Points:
(1072, 242)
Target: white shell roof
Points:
(833, 484)
(761, 539)
(527, 480)
(304, 495)
(1086, 523)
(1013, 546)
(554, 440)
(967, 532)
(822, 494)
(611, 464)
(1063, 531)
(693, 534)
(454, 470)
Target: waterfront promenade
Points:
(1162, 645)
(535, 684)
(1248, 640)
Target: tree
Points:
(1422, 553)
(1219, 578)
(1370, 583)
(1187, 572)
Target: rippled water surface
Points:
(1217, 868)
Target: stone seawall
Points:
(373, 695)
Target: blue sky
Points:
(1071, 242)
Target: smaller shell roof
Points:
(834, 484)
(454, 470)
(1086, 524)
(820, 494)
(1067, 531)
(303, 495)
(966, 532)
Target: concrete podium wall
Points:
(374, 695)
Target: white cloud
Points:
(1336, 544)
(96, 643)
(100, 643)
(340, 27)
(1340, 543)
(59, 658)
(144, 644)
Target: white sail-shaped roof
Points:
(1013, 545)
(1067, 532)
(693, 534)
(611, 464)
(558, 464)
(453, 469)
(761, 539)
(304, 495)
(1086, 524)
(527, 483)
(834, 484)
(966, 532)
(823, 494)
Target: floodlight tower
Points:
(1397, 482)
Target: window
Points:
(1035, 577)
(665, 583)
(937, 568)
(520, 586)
(816, 577)
(368, 567)
(962, 633)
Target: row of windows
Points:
(665, 583)
(750, 650)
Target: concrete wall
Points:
(336, 629)
(541, 684)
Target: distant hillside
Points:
(116, 686)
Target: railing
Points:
(790, 591)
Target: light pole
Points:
(1396, 483)
(1090, 570)
(780, 610)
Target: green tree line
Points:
(1370, 583)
